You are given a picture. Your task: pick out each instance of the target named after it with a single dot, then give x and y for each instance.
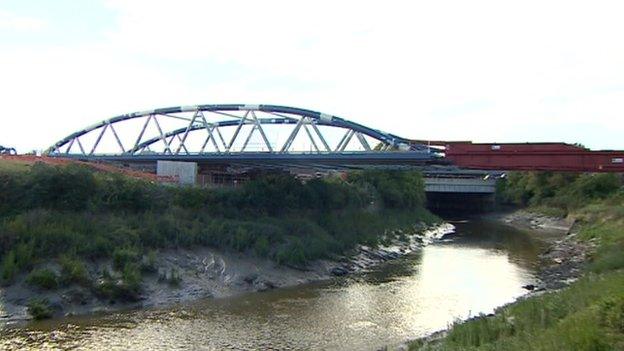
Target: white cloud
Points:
(480, 70)
(11, 21)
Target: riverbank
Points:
(208, 273)
(562, 262)
(579, 302)
(74, 239)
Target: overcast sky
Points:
(491, 71)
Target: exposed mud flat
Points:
(208, 273)
(563, 261)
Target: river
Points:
(482, 266)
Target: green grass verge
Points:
(586, 316)
(10, 166)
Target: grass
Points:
(587, 315)
(39, 308)
(73, 271)
(43, 278)
(72, 214)
(10, 166)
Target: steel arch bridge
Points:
(238, 133)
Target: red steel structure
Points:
(530, 157)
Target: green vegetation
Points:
(558, 193)
(43, 278)
(589, 314)
(74, 271)
(39, 308)
(586, 316)
(69, 214)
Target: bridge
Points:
(220, 140)
(262, 136)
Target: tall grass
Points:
(58, 212)
(586, 316)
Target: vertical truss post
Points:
(318, 132)
(293, 135)
(216, 128)
(363, 141)
(264, 137)
(311, 138)
(253, 129)
(134, 148)
(80, 146)
(344, 141)
(97, 141)
(238, 128)
(71, 143)
(209, 128)
(186, 132)
(209, 138)
(117, 138)
(344, 145)
(182, 144)
(162, 136)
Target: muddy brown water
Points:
(482, 266)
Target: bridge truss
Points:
(175, 132)
(255, 132)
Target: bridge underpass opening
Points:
(456, 193)
(448, 204)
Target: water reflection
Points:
(482, 267)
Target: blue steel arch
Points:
(319, 118)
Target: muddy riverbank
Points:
(188, 275)
(563, 260)
(560, 264)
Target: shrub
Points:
(131, 277)
(612, 313)
(74, 271)
(128, 288)
(560, 190)
(122, 257)
(43, 278)
(148, 262)
(174, 278)
(39, 308)
(9, 268)
(608, 257)
(261, 246)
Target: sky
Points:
(486, 71)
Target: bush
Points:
(612, 313)
(9, 268)
(43, 278)
(148, 262)
(565, 191)
(128, 288)
(75, 212)
(122, 257)
(39, 308)
(74, 271)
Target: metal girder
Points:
(195, 119)
(238, 128)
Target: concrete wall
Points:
(186, 172)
